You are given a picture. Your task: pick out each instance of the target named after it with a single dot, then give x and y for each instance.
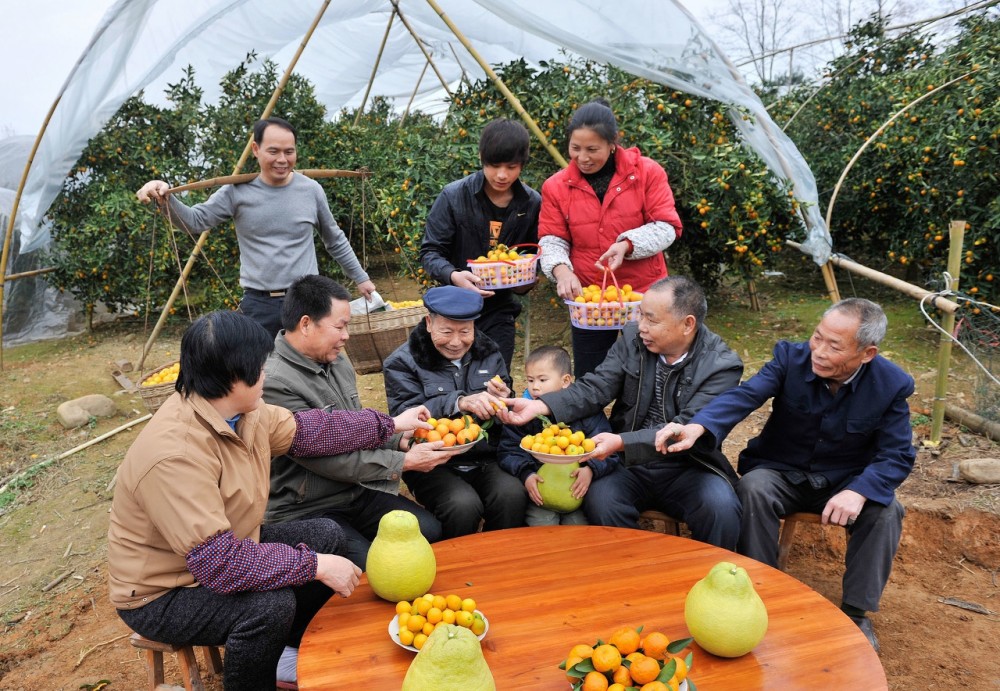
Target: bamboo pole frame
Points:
(203, 238)
(511, 98)
(378, 61)
(915, 292)
(956, 236)
(423, 49)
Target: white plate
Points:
(394, 631)
(560, 459)
(458, 448)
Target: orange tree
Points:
(934, 164)
(735, 213)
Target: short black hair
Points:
(220, 349)
(597, 116)
(687, 297)
(261, 125)
(504, 141)
(310, 295)
(554, 354)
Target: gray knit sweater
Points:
(274, 227)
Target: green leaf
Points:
(679, 645)
(668, 671)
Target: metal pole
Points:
(956, 234)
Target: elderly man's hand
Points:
(843, 508)
(414, 418)
(607, 444)
(520, 411)
(483, 405)
(672, 437)
(497, 387)
(337, 573)
(425, 457)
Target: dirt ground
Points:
(59, 631)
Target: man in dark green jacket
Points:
(663, 369)
(309, 370)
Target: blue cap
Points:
(454, 303)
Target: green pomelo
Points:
(451, 660)
(723, 612)
(401, 563)
(555, 488)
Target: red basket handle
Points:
(604, 285)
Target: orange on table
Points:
(654, 644)
(594, 681)
(622, 676)
(449, 439)
(658, 686)
(645, 670)
(606, 658)
(581, 650)
(570, 661)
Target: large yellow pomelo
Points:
(555, 487)
(401, 563)
(451, 660)
(723, 612)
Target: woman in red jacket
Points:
(610, 207)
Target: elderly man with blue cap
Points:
(453, 370)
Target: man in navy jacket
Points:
(838, 443)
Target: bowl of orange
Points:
(458, 434)
(629, 659)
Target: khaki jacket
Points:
(186, 478)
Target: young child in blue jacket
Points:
(548, 369)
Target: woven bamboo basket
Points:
(375, 335)
(155, 395)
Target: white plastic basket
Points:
(498, 275)
(602, 315)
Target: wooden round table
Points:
(544, 590)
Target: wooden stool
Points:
(659, 522)
(185, 660)
(787, 534)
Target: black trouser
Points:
(254, 626)
(590, 347)
(498, 324)
(461, 498)
(767, 495)
(263, 309)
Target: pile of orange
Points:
(612, 293)
(608, 308)
(165, 375)
(629, 660)
(453, 432)
(558, 440)
(503, 266)
(418, 619)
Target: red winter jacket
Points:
(638, 194)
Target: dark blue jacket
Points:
(521, 464)
(859, 439)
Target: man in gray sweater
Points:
(309, 370)
(275, 216)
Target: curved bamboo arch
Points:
(875, 135)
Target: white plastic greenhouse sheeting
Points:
(143, 44)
